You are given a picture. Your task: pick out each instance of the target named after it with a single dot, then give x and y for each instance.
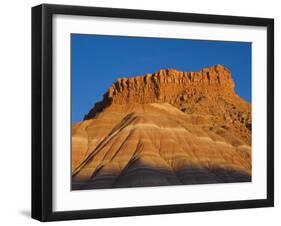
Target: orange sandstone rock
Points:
(165, 128)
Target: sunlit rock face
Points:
(166, 128)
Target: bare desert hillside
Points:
(166, 128)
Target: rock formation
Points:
(166, 128)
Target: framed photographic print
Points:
(145, 112)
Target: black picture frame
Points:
(42, 111)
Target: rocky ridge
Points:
(166, 128)
(208, 92)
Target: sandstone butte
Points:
(166, 128)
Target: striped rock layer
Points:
(166, 128)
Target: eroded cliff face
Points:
(165, 128)
(209, 93)
(169, 86)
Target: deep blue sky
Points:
(98, 60)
